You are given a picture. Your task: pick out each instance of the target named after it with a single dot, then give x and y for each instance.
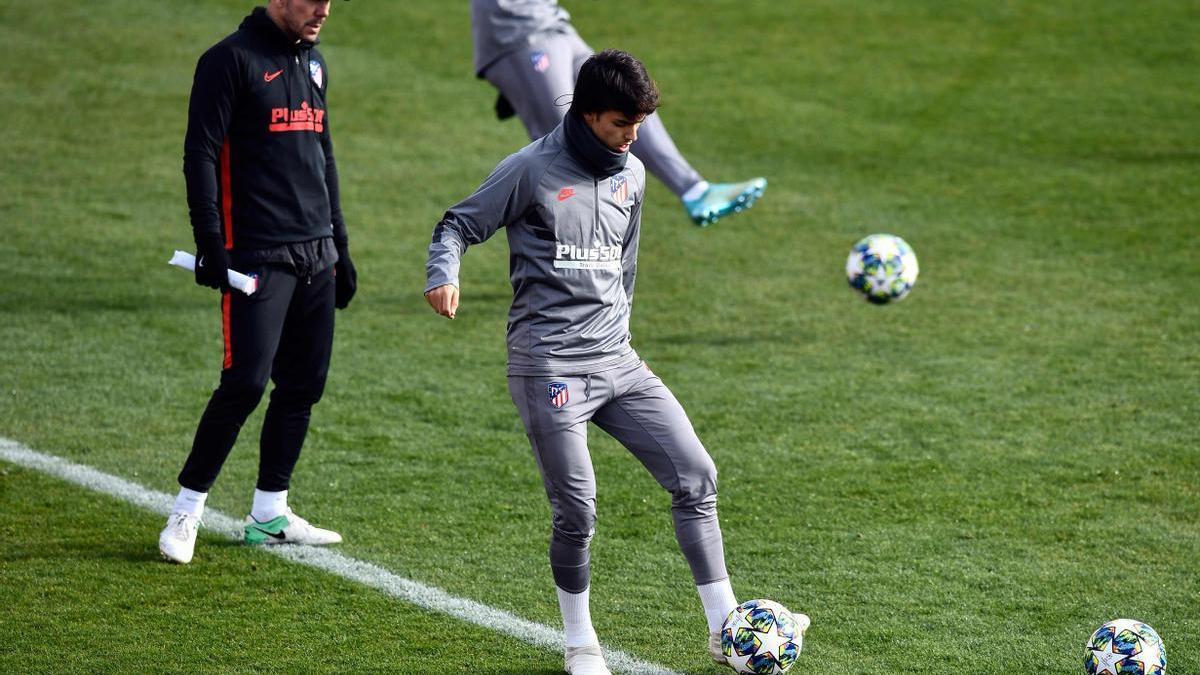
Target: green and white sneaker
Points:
(288, 529)
(178, 539)
(723, 199)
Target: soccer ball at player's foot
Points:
(1125, 647)
(882, 267)
(761, 637)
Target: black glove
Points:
(345, 278)
(504, 109)
(212, 262)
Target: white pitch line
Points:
(414, 592)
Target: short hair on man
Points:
(614, 80)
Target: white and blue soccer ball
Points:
(1125, 647)
(761, 637)
(882, 267)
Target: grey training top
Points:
(572, 240)
(501, 26)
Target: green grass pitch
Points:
(968, 482)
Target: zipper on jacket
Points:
(596, 235)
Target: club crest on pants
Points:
(558, 394)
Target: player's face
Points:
(614, 129)
(301, 19)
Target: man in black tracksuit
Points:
(262, 192)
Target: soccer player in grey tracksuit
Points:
(530, 52)
(571, 204)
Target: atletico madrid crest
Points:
(558, 394)
(620, 189)
(318, 75)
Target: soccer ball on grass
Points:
(1125, 647)
(882, 267)
(761, 637)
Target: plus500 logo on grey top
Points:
(570, 256)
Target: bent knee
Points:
(575, 527)
(697, 484)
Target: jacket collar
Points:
(260, 22)
(585, 147)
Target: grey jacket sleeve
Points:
(629, 249)
(502, 198)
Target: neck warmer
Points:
(588, 149)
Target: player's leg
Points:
(299, 372)
(538, 80)
(251, 325)
(657, 151)
(647, 419)
(704, 202)
(555, 412)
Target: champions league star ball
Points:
(761, 637)
(1125, 647)
(882, 267)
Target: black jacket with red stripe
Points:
(257, 156)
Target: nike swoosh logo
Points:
(267, 77)
(280, 535)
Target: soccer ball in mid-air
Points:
(882, 267)
(1125, 647)
(761, 637)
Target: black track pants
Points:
(284, 332)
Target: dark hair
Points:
(614, 80)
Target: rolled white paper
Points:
(243, 283)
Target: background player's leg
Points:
(658, 152)
(703, 202)
(538, 81)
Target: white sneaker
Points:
(802, 622)
(178, 539)
(586, 661)
(715, 650)
(288, 529)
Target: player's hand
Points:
(444, 300)
(212, 263)
(345, 278)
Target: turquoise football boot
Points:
(722, 199)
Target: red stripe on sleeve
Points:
(226, 196)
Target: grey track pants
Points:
(637, 409)
(538, 81)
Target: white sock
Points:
(268, 505)
(696, 191)
(577, 618)
(190, 502)
(719, 601)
